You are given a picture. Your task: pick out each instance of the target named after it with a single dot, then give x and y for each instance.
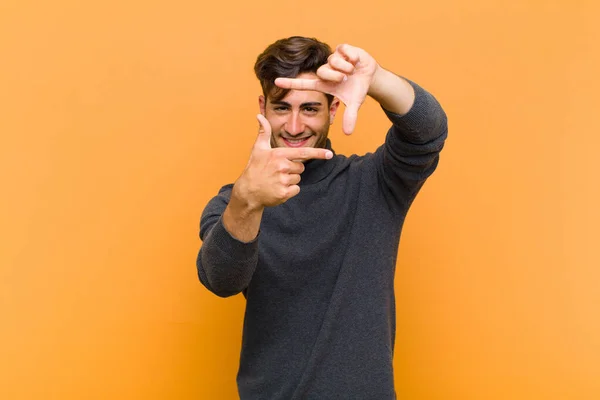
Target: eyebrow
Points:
(307, 104)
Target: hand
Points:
(348, 75)
(272, 175)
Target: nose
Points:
(294, 124)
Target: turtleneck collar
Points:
(317, 169)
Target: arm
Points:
(411, 150)
(225, 264)
(242, 218)
(230, 223)
(391, 91)
(419, 128)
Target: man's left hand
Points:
(347, 75)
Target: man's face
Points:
(301, 119)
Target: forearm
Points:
(226, 262)
(242, 218)
(392, 92)
(226, 265)
(413, 143)
(421, 118)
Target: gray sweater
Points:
(319, 278)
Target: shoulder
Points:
(359, 161)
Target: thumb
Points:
(350, 116)
(264, 132)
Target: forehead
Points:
(297, 97)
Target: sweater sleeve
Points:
(225, 265)
(411, 150)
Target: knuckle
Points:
(283, 193)
(282, 166)
(316, 153)
(276, 153)
(323, 70)
(344, 48)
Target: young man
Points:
(311, 237)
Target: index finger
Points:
(305, 153)
(298, 83)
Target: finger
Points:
(293, 179)
(350, 116)
(264, 132)
(296, 168)
(349, 53)
(338, 63)
(298, 84)
(304, 153)
(292, 191)
(327, 74)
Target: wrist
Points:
(392, 92)
(375, 86)
(241, 218)
(242, 200)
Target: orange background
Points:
(119, 121)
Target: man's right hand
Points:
(272, 174)
(270, 178)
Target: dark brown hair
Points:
(287, 58)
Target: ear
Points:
(262, 104)
(335, 103)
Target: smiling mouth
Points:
(296, 142)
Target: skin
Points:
(299, 115)
(274, 169)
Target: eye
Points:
(281, 108)
(311, 110)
